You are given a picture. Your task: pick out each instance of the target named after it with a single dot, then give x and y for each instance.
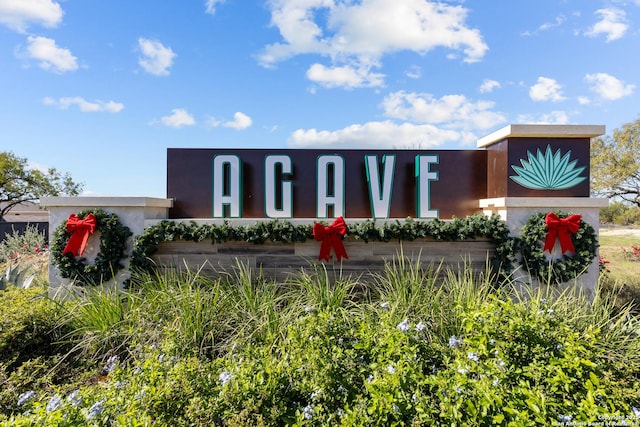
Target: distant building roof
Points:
(26, 212)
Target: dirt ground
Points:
(619, 231)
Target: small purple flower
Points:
(74, 398)
(455, 341)
(420, 327)
(225, 377)
(404, 326)
(25, 397)
(473, 356)
(565, 418)
(95, 410)
(54, 403)
(385, 305)
(111, 364)
(308, 412)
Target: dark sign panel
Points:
(252, 183)
(539, 167)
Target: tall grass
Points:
(407, 285)
(318, 289)
(185, 306)
(258, 308)
(98, 322)
(197, 315)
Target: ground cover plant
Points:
(413, 345)
(421, 347)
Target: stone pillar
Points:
(131, 211)
(541, 168)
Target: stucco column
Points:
(541, 168)
(131, 211)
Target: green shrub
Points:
(620, 214)
(30, 352)
(459, 353)
(18, 244)
(27, 325)
(511, 362)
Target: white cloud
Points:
(415, 72)
(548, 25)
(608, 87)
(489, 85)
(386, 134)
(427, 122)
(51, 57)
(359, 34)
(84, 105)
(210, 6)
(156, 58)
(347, 77)
(18, 14)
(555, 117)
(583, 100)
(240, 122)
(613, 24)
(451, 111)
(546, 90)
(179, 117)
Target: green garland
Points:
(529, 244)
(566, 269)
(113, 244)
(470, 227)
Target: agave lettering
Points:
(548, 171)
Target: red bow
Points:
(559, 228)
(80, 230)
(331, 236)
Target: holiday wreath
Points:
(578, 244)
(70, 239)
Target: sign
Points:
(380, 184)
(255, 183)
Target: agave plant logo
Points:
(548, 171)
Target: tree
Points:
(615, 164)
(19, 184)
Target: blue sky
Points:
(100, 89)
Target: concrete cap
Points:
(542, 131)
